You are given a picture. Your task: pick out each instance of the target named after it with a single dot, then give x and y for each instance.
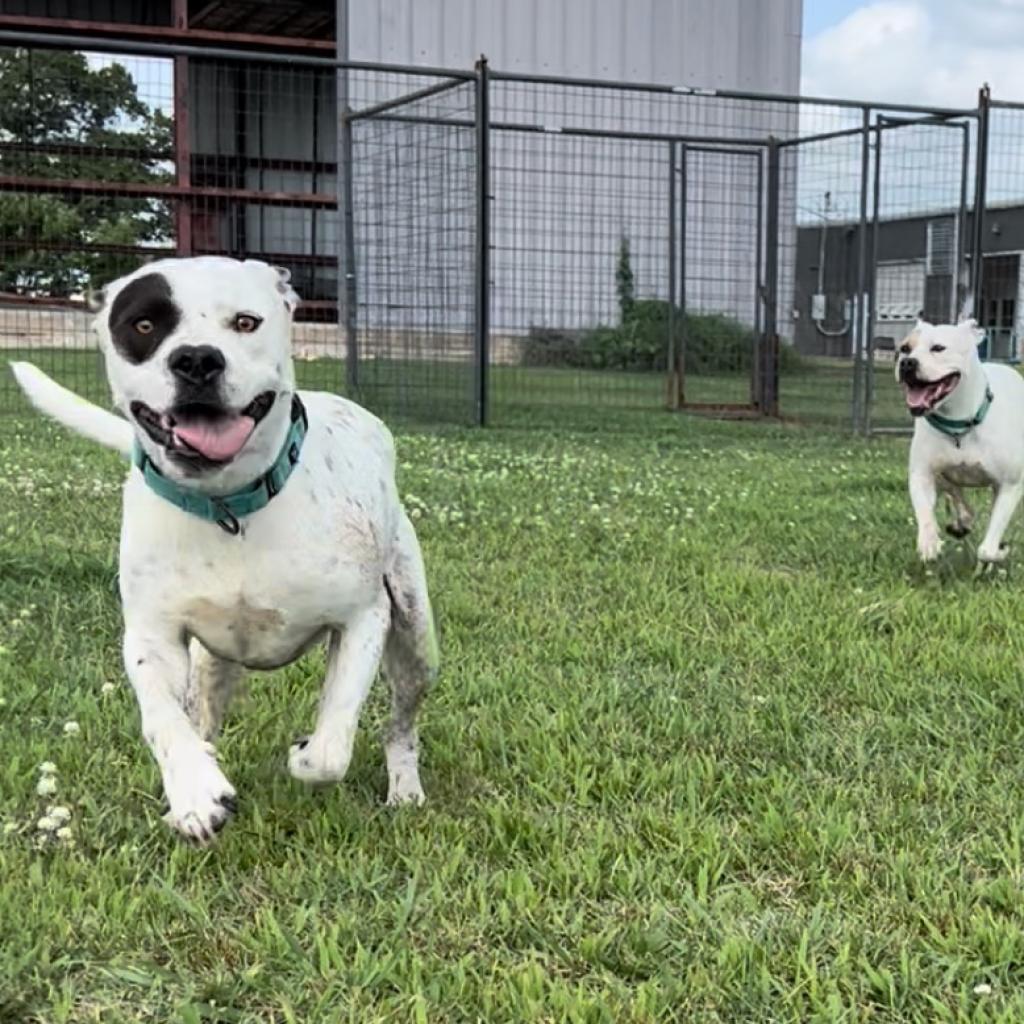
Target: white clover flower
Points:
(47, 824)
(46, 786)
(72, 728)
(47, 768)
(58, 813)
(108, 688)
(9, 827)
(983, 989)
(65, 834)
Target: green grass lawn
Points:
(708, 745)
(819, 393)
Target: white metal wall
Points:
(724, 44)
(720, 44)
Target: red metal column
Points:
(182, 138)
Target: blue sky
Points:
(821, 14)
(922, 51)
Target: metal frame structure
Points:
(182, 43)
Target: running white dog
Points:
(969, 432)
(257, 521)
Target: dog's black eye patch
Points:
(143, 314)
(938, 348)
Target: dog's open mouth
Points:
(203, 434)
(924, 395)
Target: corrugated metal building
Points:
(725, 44)
(560, 206)
(615, 188)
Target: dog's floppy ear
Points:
(284, 286)
(971, 326)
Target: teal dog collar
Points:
(227, 510)
(956, 429)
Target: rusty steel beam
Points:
(10, 246)
(201, 160)
(13, 299)
(16, 245)
(182, 138)
(167, 34)
(138, 190)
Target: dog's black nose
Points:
(908, 367)
(197, 364)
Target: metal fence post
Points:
(672, 391)
(482, 303)
(980, 183)
(182, 138)
(767, 366)
(347, 295)
(961, 284)
(872, 279)
(679, 395)
(860, 367)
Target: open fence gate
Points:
(630, 268)
(723, 214)
(897, 290)
(411, 307)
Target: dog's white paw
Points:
(992, 554)
(929, 544)
(201, 799)
(318, 762)
(404, 788)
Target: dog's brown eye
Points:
(938, 348)
(143, 326)
(905, 349)
(246, 324)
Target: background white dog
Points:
(256, 522)
(969, 432)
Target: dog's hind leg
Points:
(212, 682)
(1007, 498)
(963, 514)
(410, 664)
(353, 657)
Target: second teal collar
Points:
(227, 510)
(956, 429)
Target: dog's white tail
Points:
(74, 412)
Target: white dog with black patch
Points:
(969, 432)
(257, 521)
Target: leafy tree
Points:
(63, 119)
(624, 284)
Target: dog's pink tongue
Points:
(218, 441)
(917, 398)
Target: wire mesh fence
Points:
(412, 301)
(474, 245)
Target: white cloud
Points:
(920, 51)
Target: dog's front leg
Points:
(353, 657)
(923, 495)
(201, 799)
(1007, 498)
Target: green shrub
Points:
(715, 343)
